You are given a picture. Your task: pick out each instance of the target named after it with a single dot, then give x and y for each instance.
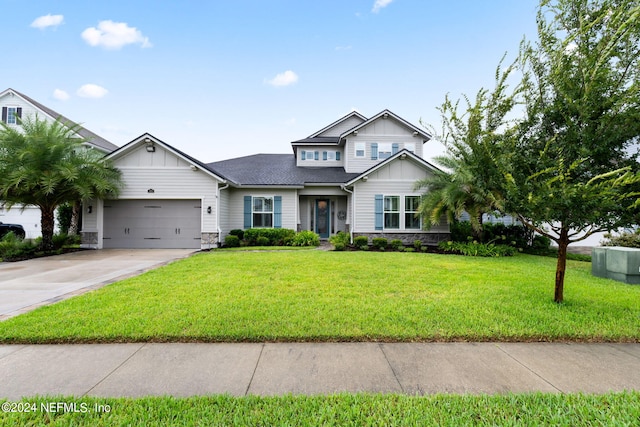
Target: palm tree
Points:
(454, 192)
(45, 164)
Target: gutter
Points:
(218, 214)
(353, 216)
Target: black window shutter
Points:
(4, 114)
(19, 112)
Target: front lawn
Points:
(620, 409)
(341, 296)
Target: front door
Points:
(323, 218)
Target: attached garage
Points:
(152, 224)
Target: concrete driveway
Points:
(26, 285)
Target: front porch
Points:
(325, 215)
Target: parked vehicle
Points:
(17, 229)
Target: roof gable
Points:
(92, 139)
(400, 155)
(388, 115)
(150, 143)
(341, 125)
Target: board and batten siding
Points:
(289, 200)
(395, 179)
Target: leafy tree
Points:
(570, 172)
(469, 179)
(45, 164)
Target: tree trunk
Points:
(75, 218)
(563, 242)
(47, 225)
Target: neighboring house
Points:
(355, 175)
(14, 106)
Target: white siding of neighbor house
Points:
(379, 131)
(342, 127)
(319, 163)
(29, 219)
(394, 179)
(225, 214)
(236, 206)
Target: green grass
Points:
(341, 296)
(615, 409)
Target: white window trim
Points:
(388, 149)
(364, 150)
(401, 212)
(14, 115)
(254, 212)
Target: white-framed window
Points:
(411, 221)
(391, 212)
(360, 149)
(331, 155)
(262, 212)
(410, 146)
(10, 115)
(384, 150)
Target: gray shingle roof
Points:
(91, 137)
(276, 169)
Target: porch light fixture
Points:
(208, 209)
(150, 147)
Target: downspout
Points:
(353, 217)
(218, 214)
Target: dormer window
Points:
(10, 115)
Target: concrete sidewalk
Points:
(26, 285)
(133, 370)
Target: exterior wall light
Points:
(89, 209)
(208, 209)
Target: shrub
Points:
(418, 245)
(231, 241)
(263, 241)
(541, 243)
(237, 232)
(306, 238)
(409, 249)
(380, 243)
(361, 242)
(477, 249)
(627, 239)
(13, 247)
(397, 245)
(275, 236)
(339, 241)
(61, 240)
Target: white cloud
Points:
(91, 91)
(380, 4)
(284, 79)
(114, 35)
(47, 21)
(60, 95)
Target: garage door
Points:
(152, 224)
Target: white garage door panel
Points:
(152, 224)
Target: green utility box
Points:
(617, 263)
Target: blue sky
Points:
(223, 79)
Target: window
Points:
(262, 213)
(360, 149)
(410, 146)
(10, 115)
(308, 155)
(411, 204)
(392, 212)
(384, 151)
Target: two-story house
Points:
(355, 175)
(15, 106)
